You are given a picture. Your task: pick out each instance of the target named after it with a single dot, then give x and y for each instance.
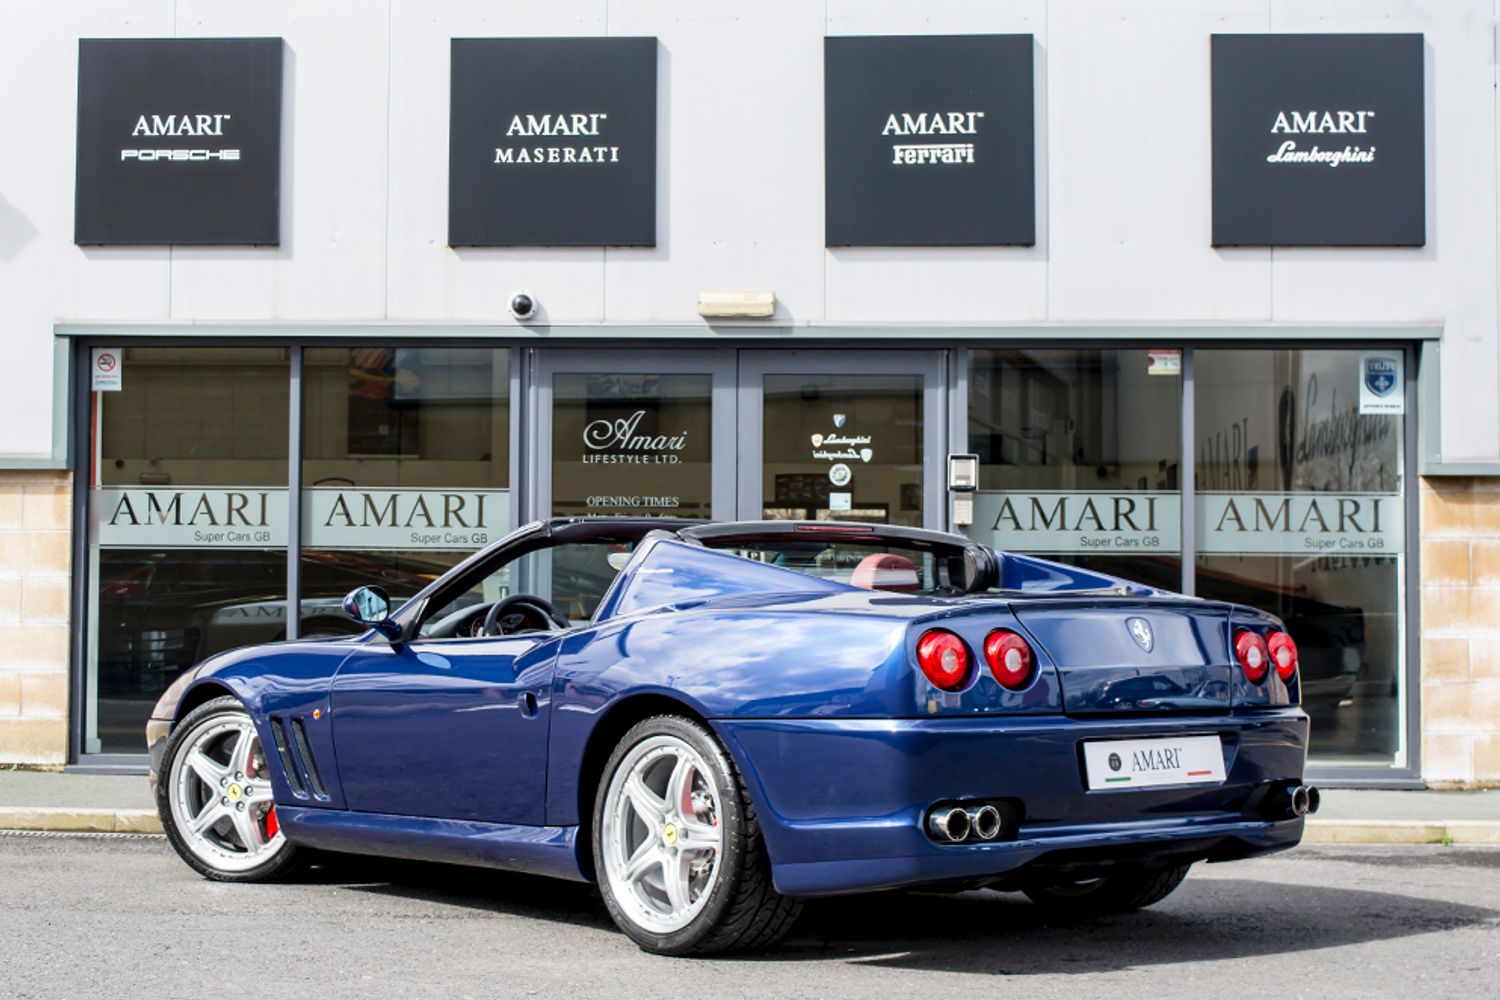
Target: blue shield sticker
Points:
(1381, 375)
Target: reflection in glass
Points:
(406, 465)
(1300, 513)
(843, 447)
(188, 539)
(1078, 453)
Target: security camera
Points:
(522, 305)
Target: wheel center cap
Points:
(669, 834)
(234, 793)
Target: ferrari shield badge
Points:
(1140, 631)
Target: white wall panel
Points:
(1452, 280)
(901, 284)
(427, 279)
(739, 159)
(1130, 190)
(331, 262)
(1123, 182)
(43, 275)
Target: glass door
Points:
(842, 435)
(627, 434)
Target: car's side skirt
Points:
(539, 850)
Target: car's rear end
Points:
(1043, 738)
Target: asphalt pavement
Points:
(109, 915)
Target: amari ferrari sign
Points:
(1318, 140)
(552, 142)
(179, 141)
(929, 141)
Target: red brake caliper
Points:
(271, 825)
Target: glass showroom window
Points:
(1300, 511)
(1078, 457)
(405, 469)
(187, 529)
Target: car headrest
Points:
(886, 571)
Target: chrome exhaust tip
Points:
(1299, 800)
(1314, 799)
(950, 825)
(985, 822)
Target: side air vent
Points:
(299, 734)
(288, 768)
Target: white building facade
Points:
(1273, 382)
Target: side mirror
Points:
(371, 607)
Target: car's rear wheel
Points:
(214, 797)
(678, 852)
(1118, 892)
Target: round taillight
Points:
(943, 658)
(1250, 648)
(1009, 658)
(1283, 653)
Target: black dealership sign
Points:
(179, 141)
(929, 141)
(552, 142)
(1318, 140)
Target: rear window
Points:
(884, 565)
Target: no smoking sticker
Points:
(105, 370)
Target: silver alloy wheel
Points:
(220, 794)
(661, 835)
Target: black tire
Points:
(1120, 892)
(744, 911)
(284, 862)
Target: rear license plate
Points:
(1168, 760)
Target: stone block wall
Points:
(1460, 581)
(35, 540)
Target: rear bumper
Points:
(842, 802)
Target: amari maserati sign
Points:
(1318, 140)
(929, 141)
(179, 141)
(552, 142)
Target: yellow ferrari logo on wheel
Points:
(669, 834)
(234, 792)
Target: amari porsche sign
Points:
(929, 141)
(1318, 140)
(552, 142)
(179, 141)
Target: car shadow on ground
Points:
(989, 933)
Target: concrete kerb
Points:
(64, 819)
(1382, 831)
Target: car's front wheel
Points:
(1120, 892)
(214, 797)
(677, 846)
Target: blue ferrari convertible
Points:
(715, 721)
